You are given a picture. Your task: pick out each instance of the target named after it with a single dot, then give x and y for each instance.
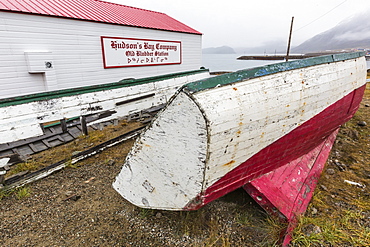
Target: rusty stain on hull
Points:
(229, 163)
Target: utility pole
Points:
(290, 38)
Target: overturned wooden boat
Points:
(268, 129)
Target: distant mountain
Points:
(350, 33)
(276, 46)
(219, 50)
(267, 47)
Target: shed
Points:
(60, 44)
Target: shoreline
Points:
(274, 57)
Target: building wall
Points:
(74, 47)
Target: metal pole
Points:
(290, 38)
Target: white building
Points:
(62, 59)
(52, 45)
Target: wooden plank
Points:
(84, 125)
(63, 124)
(46, 143)
(33, 147)
(46, 171)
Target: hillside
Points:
(350, 33)
(219, 50)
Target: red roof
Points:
(100, 11)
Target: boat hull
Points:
(293, 146)
(269, 130)
(24, 117)
(218, 134)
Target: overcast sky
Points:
(251, 23)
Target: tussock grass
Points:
(145, 213)
(345, 228)
(5, 193)
(23, 192)
(30, 165)
(343, 210)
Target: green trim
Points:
(243, 75)
(57, 123)
(89, 89)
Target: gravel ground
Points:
(77, 206)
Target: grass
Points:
(245, 218)
(344, 228)
(145, 213)
(23, 192)
(194, 222)
(30, 165)
(69, 163)
(343, 211)
(55, 154)
(20, 193)
(5, 193)
(345, 224)
(270, 226)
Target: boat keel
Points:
(287, 191)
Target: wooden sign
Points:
(128, 52)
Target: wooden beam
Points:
(290, 38)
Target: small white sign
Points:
(127, 52)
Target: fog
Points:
(246, 23)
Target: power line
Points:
(321, 16)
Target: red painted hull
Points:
(292, 146)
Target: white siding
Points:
(77, 54)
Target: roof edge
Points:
(124, 16)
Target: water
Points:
(229, 62)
